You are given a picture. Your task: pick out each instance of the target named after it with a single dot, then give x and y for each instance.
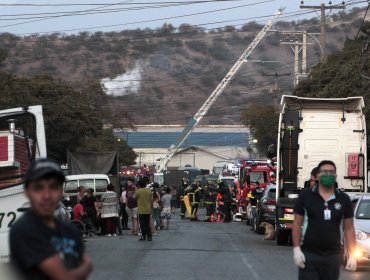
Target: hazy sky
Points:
(130, 19)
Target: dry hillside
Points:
(164, 75)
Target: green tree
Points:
(263, 123)
(105, 142)
(70, 116)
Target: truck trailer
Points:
(312, 130)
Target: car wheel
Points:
(282, 237)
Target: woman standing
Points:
(110, 206)
(157, 210)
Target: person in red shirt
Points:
(78, 211)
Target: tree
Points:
(105, 142)
(263, 122)
(70, 116)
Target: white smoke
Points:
(124, 84)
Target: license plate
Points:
(288, 216)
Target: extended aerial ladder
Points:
(162, 164)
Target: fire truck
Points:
(251, 173)
(22, 139)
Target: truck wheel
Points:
(282, 237)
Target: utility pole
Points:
(323, 8)
(276, 88)
(296, 49)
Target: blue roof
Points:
(166, 139)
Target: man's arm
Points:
(54, 268)
(349, 234)
(297, 230)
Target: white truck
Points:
(312, 130)
(17, 149)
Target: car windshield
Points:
(258, 176)
(363, 210)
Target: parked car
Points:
(265, 208)
(362, 228)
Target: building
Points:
(204, 147)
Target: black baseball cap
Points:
(42, 168)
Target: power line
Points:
(146, 21)
(99, 10)
(101, 4)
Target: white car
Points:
(362, 228)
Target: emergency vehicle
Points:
(312, 130)
(134, 173)
(17, 150)
(251, 172)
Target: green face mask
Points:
(327, 180)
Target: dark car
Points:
(265, 208)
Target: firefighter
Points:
(225, 193)
(194, 196)
(210, 194)
(255, 196)
(184, 185)
(186, 200)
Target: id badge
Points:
(327, 214)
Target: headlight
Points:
(360, 235)
(358, 254)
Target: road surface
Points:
(196, 250)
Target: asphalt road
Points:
(196, 250)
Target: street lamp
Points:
(254, 141)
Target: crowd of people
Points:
(219, 200)
(146, 207)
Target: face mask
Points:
(327, 180)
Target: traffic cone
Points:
(218, 218)
(212, 218)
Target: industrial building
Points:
(205, 146)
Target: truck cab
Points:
(22, 139)
(312, 130)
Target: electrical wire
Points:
(101, 4)
(46, 15)
(147, 21)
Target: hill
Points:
(163, 76)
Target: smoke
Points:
(124, 84)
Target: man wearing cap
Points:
(41, 246)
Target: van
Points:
(98, 182)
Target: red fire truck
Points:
(251, 172)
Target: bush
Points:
(197, 45)
(219, 50)
(208, 80)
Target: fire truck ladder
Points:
(162, 164)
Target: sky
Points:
(118, 15)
